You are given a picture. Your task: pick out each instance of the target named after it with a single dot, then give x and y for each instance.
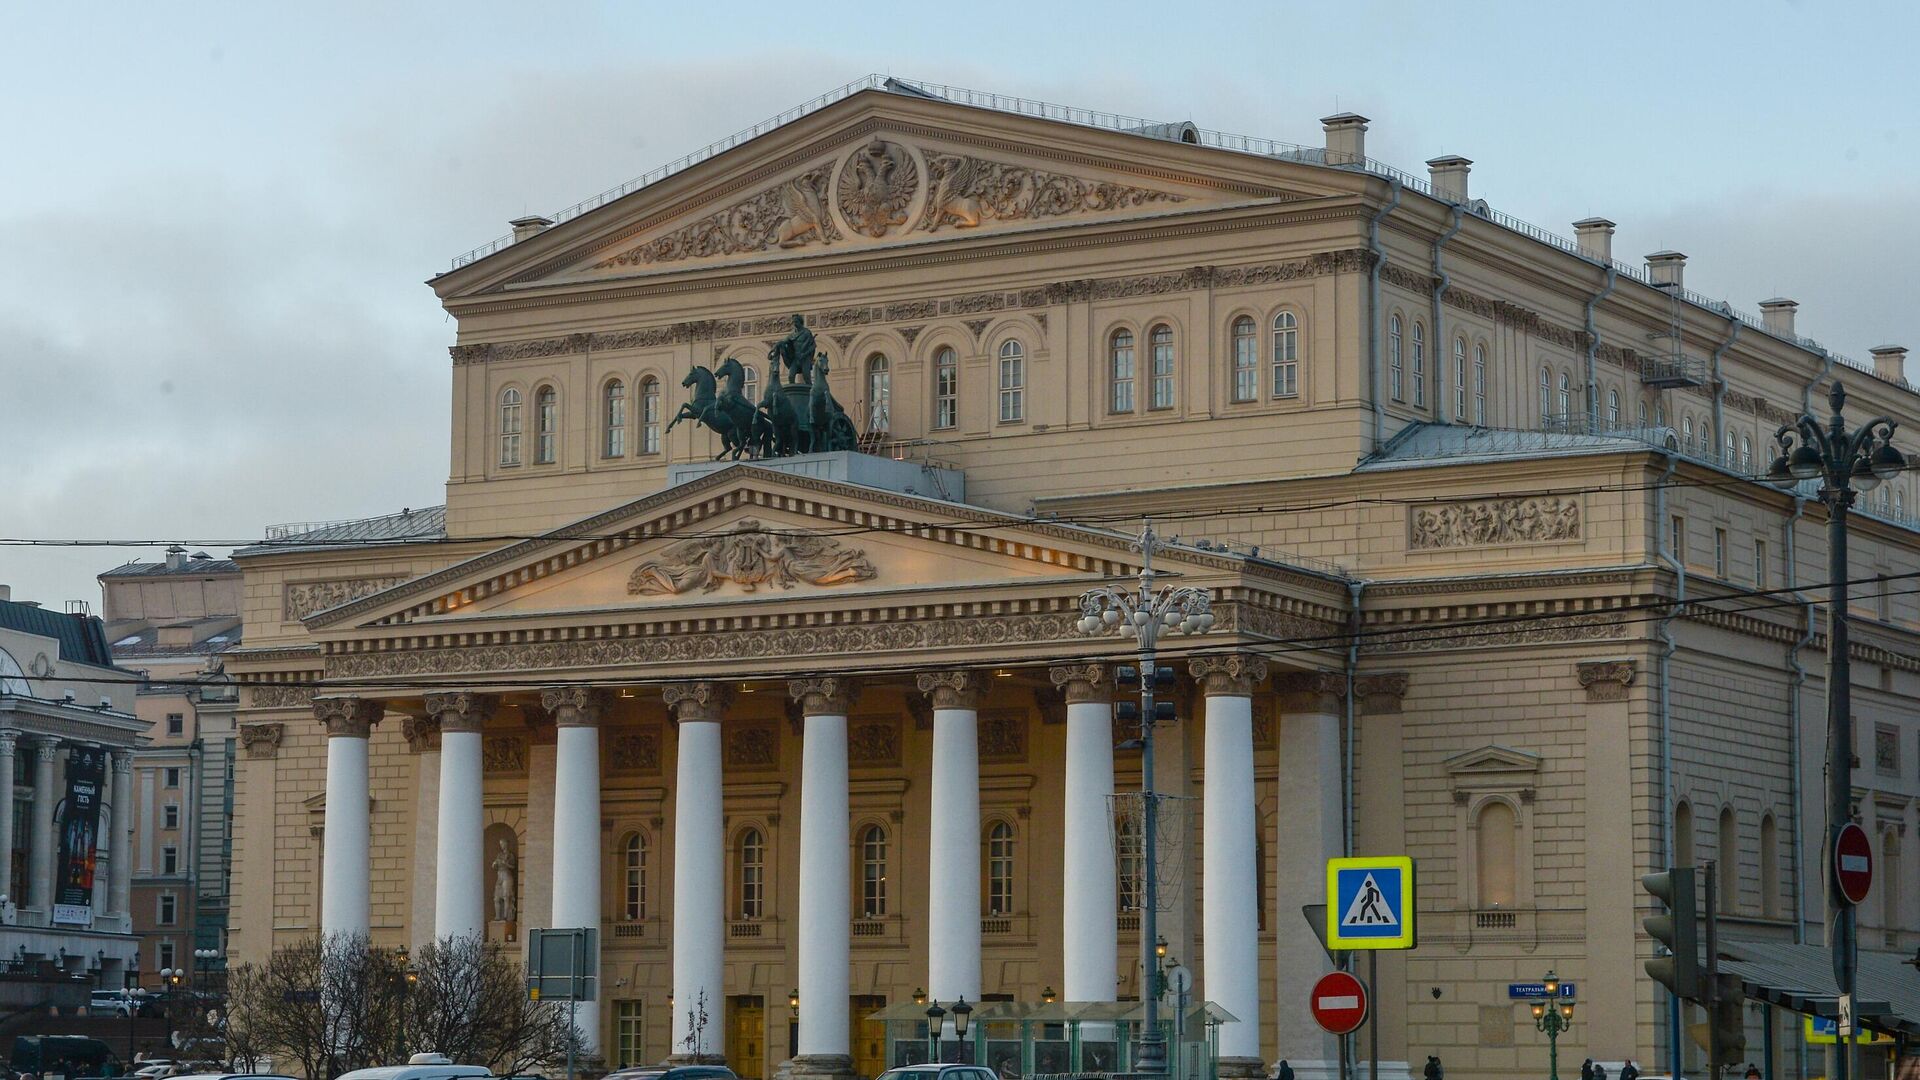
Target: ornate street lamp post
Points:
(936, 1016)
(1843, 461)
(1553, 1015)
(1141, 614)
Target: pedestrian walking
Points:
(1586, 1069)
(1628, 1072)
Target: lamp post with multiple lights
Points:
(1141, 613)
(1552, 1014)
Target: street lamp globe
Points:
(1887, 462)
(1539, 1009)
(962, 1012)
(1805, 463)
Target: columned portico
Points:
(460, 882)
(1089, 896)
(699, 868)
(1230, 920)
(120, 868)
(825, 946)
(953, 849)
(576, 816)
(1311, 706)
(345, 863)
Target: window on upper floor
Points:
(1677, 540)
(1546, 394)
(1480, 384)
(1286, 355)
(1120, 371)
(167, 915)
(1613, 409)
(1899, 505)
(510, 427)
(1760, 564)
(1707, 448)
(1246, 360)
(170, 816)
(1769, 867)
(169, 859)
(1160, 347)
(1720, 553)
(946, 388)
(164, 952)
(1660, 414)
(1686, 433)
(171, 776)
(633, 877)
(546, 425)
(1013, 383)
(1733, 449)
(1746, 452)
(650, 415)
(1396, 361)
(1129, 862)
(1640, 414)
(999, 869)
(750, 871)
(879, 393)
(176, 723)
(1496, 841)
(614, 419)
(1886, 750)
(873, 872)
(1419, 363)
(1565, 397)
(1460, 380)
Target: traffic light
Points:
(1728, 1023)
(1127, 678)
(1680, 970)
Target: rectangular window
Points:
(629, 1033)
(1720, 553)
(650, 417)
(173, 777)
(1760, 564)
(1677, 540)
(946, 391)
(616, 420)
(168, 912)
(1013, 389)
(170, 816)
(169, 860)
(165, 952)
(1886, 750)
(1161, 345)
(176, 723)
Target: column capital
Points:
(830, 695)
(422, 733)
(1311, 691)
(1228, 674)
(44, 747)
(7, 739)
(347, 716)
(575, 706)
(1083, 683)
(698, 702)
(959, 689)
(260, 740)
(462, 710)
(1606, 680)
(123, 761)
(541, 729)
(1382, 693)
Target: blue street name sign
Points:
(1536, 990)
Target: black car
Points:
(675, 1072)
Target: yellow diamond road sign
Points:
(1370, 903)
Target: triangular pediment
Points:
(882, 169)
(1492, 760)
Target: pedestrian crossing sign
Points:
(1370, 903)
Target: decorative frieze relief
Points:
(750, 555)
(1606, 680)
(299, 599)
(260, 740)
(789, 215)
(1544, 631)
(754, 746)
(1493, 523)
(634, 750)
(873, 742)
(503, 755)
(275, 696)
(968, 190)
(1002, 735)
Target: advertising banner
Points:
(79, 836)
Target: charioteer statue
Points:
(799, 416)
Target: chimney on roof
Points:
(1595, 236)
(1890, 362)
(1667, 268)
(524, 227)
(1346, 138)
(1776, 316)
(176, 557)
(1448, 174)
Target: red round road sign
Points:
(1853, 863)
(1339, 1002)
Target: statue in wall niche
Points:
(506, 878)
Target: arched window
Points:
(1899, 505)
(946, 388)
(633, 877)
(1683, 835)
(1013, 383)
(999, 863)
(1640, 415)
(1460, 380)
(1286, 355)
(1746, 457)
(749, 382)
(510, 427)
(1396, 363)
(1613, 409)
(546, 425)
(879, 392)
(1707, 449)
(1546, 394)
(1120, 371)
(1494, 834)
(1129, 876)
(1246, 360)
(1480, 385)
(1686, 433)
(873, 872)
(1769, 867)
(1880, 500)
(615, 420)
(1160, 343)
(650, 415)
(1733, 450)
(1419, 363)
(752, 871)
(1660, 414)
(1565, 399)
(1728, 852)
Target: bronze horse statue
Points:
(727, 413)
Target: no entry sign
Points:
(1852, 863)
(1339, 1002)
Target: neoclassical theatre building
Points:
(1494, 585)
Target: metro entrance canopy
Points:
(1800, 978)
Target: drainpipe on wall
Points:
(1665, 554)
(1720, 384)
(1793, 737)
(1354, 589)
(1373, 317)
(1442, 411)
(1593, 348)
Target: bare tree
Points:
(469, 1003)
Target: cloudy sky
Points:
(216, 221)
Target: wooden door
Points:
(747, 1035)
(869, 1037)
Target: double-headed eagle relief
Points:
(797, 416)
(749, 555)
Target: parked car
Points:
(113, 1003)
(231, 1076)
(937, 1071)
(420, 1067)
(677, 1072)
(73, 1055)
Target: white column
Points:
(1311, 706)
(953, 849)
(1230, 917)
(576, 820)
(7, 741)
(41, 858)
(460, 885)
(120, 869)
(423, 742)
(1089, 909)
(699, 869)
(826, 880)
(345, 864)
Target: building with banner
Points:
(813, 730)
(67, 736)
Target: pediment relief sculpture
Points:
(750, 555)
(884, 189)
(1494, 522)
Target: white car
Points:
(112, 1003)
(421, 1067)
